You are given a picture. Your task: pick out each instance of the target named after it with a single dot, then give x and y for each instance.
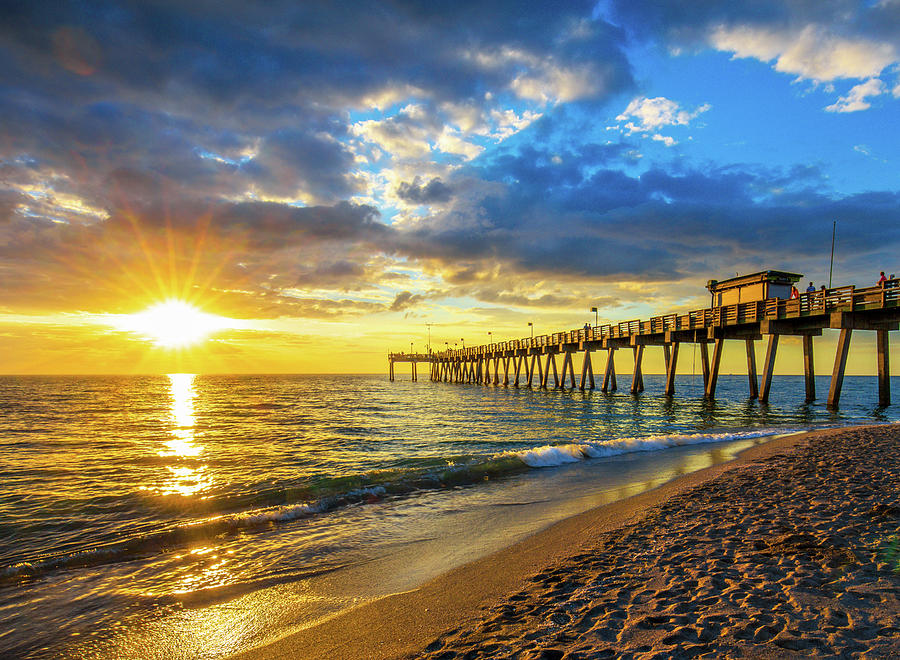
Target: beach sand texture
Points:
(784, 553)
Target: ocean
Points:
(195, 516)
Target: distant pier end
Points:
(413, 358)
(743, 308)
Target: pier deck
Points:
(845, 308)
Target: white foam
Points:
(551, 455)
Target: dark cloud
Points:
(244, 255)
(416, 193)
(690, 21)
(139, 141)
(405, 300)
(584, 221)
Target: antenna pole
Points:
(831, 267)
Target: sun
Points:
(175, 324)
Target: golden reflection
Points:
(184, 480)
(206, 569)
(182, 415)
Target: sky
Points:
(328, 182)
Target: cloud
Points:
(405, 300)
(813, 52)
(817, 41)
(668, 141)
(653, 114)
(415, 193)
(273, 158)
(857, 97)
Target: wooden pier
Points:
(413, 358)
(534, 360)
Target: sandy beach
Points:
(785, 552)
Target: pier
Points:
(533, 360)
(413, 359)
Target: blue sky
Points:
(358, 170)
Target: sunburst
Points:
(175, 324)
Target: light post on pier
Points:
(490, 337)
(531, 326)
(410, 348)
(462, 339)
(429, 336)
(596, 316)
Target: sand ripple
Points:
(785, 557)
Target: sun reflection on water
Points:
(182, 416)
(184, 479)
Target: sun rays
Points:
(175, 324)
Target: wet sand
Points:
(781, 553)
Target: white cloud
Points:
(508, 123)
(450, 142)
(540, 78)
(552, 84)
(813, 52)
(856, 98)
(653, 114)
(666, 140)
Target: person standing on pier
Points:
(795, 293)
(882, 279)
(811, 288)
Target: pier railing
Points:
(846, 308)
(823, 301)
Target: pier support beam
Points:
(568, 369)
(392, 371)
(545, 375)
(609, 376)
(586, 370)
(768, 368)
(884, 367)
(506, 371)
(518, 367)
(704, 364)
(714, 369)
(637, 384)
(751, 369)
(671, 363)
(809, 373)
(840, 363)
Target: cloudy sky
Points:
(334, 176)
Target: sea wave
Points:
(182, 535)
(360, 489)
(553, 455)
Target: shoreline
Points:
(408, 623)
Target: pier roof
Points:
(771, 276)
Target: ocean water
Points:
(198, 516)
